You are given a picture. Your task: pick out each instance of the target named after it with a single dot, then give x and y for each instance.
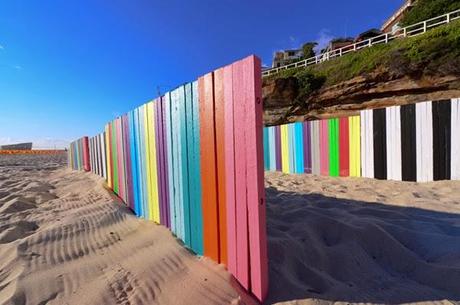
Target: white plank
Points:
(455, 140)
(393, 137)
(315, 153)
(367, 143)
(424, 141)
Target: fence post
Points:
(424, 26)
(370, 42)
(405, 32)
(448, 18)
(386, 38)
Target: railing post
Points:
(370, 42)
(424, 26)
(448, 18)
(405, 32)
(354, 47)
(340, 51)
(386, 38)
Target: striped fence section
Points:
(192, 160)
(417, 142)
(79, 155)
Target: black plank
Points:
(380, 144)
(408, 143)
(441, 139)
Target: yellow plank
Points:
(149, 213)
(153, 165)
(284, 149)
(355, 146)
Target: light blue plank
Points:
(187, 150)
(170, 160)
(272, 149)
(134, 166)
(266, 149)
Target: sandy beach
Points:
(65, 239)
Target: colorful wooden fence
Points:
(418, 142)
(192, 161)
(78, 155)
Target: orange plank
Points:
(208, 167)
(221, 172)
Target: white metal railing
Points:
(409, 31)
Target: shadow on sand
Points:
(341, 250)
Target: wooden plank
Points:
(315, 148)
(104, 154)
(299, 147)
(344, 147)
(159, 160)
(143, 162)
(307, 147)
(134, 166)
(170, 160)
(241, 185)
(333, 132)
(291, 145)
(147, 164)
(367, 143)
(208, 166)
(424, 141)
(355, 145)
(441, 139)
(266, 150)
(324, 147)
(380, 146)
(230, 152)
(178, 191)
(114, 157)
(393, 143)
(455, 140)
(153, 163)
(127, 162)
(195, 175)
(185, 95)
(278, 147)
(121, 165)
(109, 155)
(252, 95)
(285, 149)
(272, 148)
(219, 100)
(408, 143)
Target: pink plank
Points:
(230, 170)
(255, 177)
(239, 96)
(121, 190)
(324, 147)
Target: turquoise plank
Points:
(134, 166)
(272, 142)
(195, 176)
(143, 162)
(266, 149)
(185, 99)
(299, 162)
(291, 134)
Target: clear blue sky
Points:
(68, 67)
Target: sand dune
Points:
(351, 240)
(66, 240)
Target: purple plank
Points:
(164, 162)
(278, 147)
(307, 147)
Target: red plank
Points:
(208, 167)
(220, 151)
(344, 147)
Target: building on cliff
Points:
(285, 57)
(392, 23)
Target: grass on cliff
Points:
(436, 52)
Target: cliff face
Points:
(282, 103)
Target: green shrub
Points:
(427, 9)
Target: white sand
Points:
(349, 240)
(64, 239)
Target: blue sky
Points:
(68, 67)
